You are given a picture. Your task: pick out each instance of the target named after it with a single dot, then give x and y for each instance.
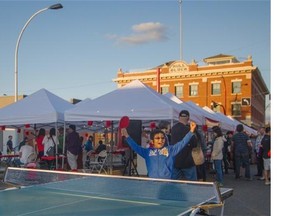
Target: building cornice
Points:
(151, 74)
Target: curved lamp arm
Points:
(53, 7)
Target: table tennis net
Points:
(115, 185)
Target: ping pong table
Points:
(46, 192)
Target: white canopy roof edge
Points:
(225, 122)
(39, 107)
(248, 129)
(195, 115)
(229, 123)
(135, 100)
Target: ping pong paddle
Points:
(124, 122)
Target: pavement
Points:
(250, 198)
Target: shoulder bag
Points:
(197, 155)
(51, 150)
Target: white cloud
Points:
(145, 33)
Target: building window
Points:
(236, 109)
(236, 87)
(179, 91)
(193, 90)
(164, 90)
(215, 89)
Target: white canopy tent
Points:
(229, 123)
(198, 115)
(135, 100)
(41, 107)
(225, 123)
(203, 116)
(209, 119)
(248, 129)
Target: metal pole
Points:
(64, 145)
(225, 95)
(56, 146)
(180, 27)
(111, 148)
(54, 7)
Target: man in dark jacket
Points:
(9, 145)
(241, 145)
(73, 146)
(184, 166)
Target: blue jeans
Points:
(218, 169)
(187, 173)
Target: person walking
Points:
(184, 167)
(9, 145)
(241, 145)
(73, 146)
(217, 154)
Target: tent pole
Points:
(34, 140)
(64, 141)
(56, 145)
(112, 147)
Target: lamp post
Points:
(52, 7)
(214, 104)
(180, 28)
(225, 95)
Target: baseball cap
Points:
(184, 113)
(73, 127)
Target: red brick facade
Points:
(224, 80)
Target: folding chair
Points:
(90, 156)
(99, 163)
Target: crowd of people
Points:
(47, 144)
(230, 150)
(167, 150)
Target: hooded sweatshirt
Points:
(160, 162)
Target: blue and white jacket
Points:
(160, 162)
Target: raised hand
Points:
(124, 132)
(192, 126)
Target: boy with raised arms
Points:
(159, 158)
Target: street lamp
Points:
(52, 7)
(214, 105)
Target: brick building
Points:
(223, 83)
(6, 100)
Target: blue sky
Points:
(75, 52)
